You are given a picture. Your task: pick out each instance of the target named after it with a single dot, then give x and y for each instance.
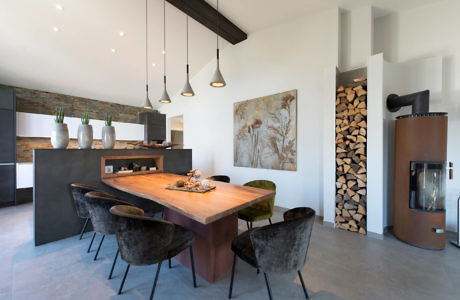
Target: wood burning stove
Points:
(420, 173)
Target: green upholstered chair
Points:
(262, 210)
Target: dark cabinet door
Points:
(7, 184)
(7, 136)
(7, 100)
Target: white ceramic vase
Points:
(108, 137)
(85, 136)
(60, 136)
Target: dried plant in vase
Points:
(85, 132)
(60, 132)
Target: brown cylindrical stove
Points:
(420, 178)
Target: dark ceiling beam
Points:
(206, 15)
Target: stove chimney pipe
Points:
(420, 102)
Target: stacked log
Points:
(351, 168)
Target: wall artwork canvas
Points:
(265, 132)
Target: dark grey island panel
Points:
(56, 169)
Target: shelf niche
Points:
(125, 161)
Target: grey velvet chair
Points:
(78, 193)
(146, 241)
(221, 178)
(99, 204)
(277, 248)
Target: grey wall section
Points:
(56, 169)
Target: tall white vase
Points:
(85, 136)
(108, 137)
(60, 136)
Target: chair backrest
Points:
(268, 204)
(78, 193)
(141, 240)
(282, 247)
(221, 178)
(99, 204)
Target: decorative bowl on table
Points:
(192, 183)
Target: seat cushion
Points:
(242, 246)
(183, 238)
(253, 214)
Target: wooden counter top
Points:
(205, 208)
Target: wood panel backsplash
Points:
(39, 102)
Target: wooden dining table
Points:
(212, 216)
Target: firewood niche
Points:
(351, 143)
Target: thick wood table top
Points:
(205, 208)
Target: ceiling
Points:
(77, 59)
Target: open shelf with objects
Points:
(117, 166)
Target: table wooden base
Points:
(212, 253)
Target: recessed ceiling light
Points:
(163, 52)
(113, 50)
(59, 7)
(121, 33)
(154, 65)
(56, 29)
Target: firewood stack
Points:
(350, 140)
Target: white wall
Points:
(424, 32)
(280, 58)
(375, 146)
(356, 38)
(329, 155)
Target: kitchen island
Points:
(55, 169)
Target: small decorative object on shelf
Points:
(108, 133)
(60, 132)
(108, 169)
(192, 183)
(85, 133)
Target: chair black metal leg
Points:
(90, 244)
(270, 220)
(258, 270)
(233, 275)
(193, 267)
(84, 227)
(303, 285)
(251, 225)
(169, 263)
(247, 223)
(268, 286)
(99, 248)
(113, 265)
(123, 280)
(155, 281)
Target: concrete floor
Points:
(341, 265)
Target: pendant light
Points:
(164, 96)
(147, 103)
(217, 80)
(187, 91)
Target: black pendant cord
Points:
(164, 41)
(146, 52)
(218, 30)
(187, 48)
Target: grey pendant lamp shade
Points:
(164, 96)
(187, 91)
(147, 103)
(217, 80)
